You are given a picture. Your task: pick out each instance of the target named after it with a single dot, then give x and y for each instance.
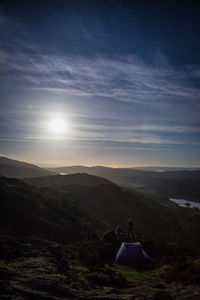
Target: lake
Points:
(185, 203)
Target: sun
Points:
(57, 126)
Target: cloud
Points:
(132, 101)
(126, 79)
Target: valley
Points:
(181, 184)
(52, 244)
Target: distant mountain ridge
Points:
(18, 169)
(181, 184)
(172, 184)
(166, 169)
(82, 168)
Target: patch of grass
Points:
(185, 270)
(80, 268)
(151, 277)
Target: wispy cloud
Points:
(126, 79)
(156, 97)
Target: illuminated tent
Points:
(130, 254)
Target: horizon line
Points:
(55, 165)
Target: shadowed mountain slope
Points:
(18, 169)
(112, 205)
(39, 217)
(83, 179)
(170, 184)
(67, 207)
(29, 211)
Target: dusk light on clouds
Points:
(114, 92)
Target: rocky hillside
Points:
(40, 269)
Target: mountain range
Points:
(182, 184)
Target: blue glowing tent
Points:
(130, 254)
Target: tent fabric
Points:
(130, 254)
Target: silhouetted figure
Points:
(119, 231)
(130, 228)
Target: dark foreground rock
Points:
(38, 269)
(34, 270)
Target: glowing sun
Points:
(57, 126)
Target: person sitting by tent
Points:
(111, 237)
(119, 231)
(130, 228)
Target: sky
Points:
(124, 77)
